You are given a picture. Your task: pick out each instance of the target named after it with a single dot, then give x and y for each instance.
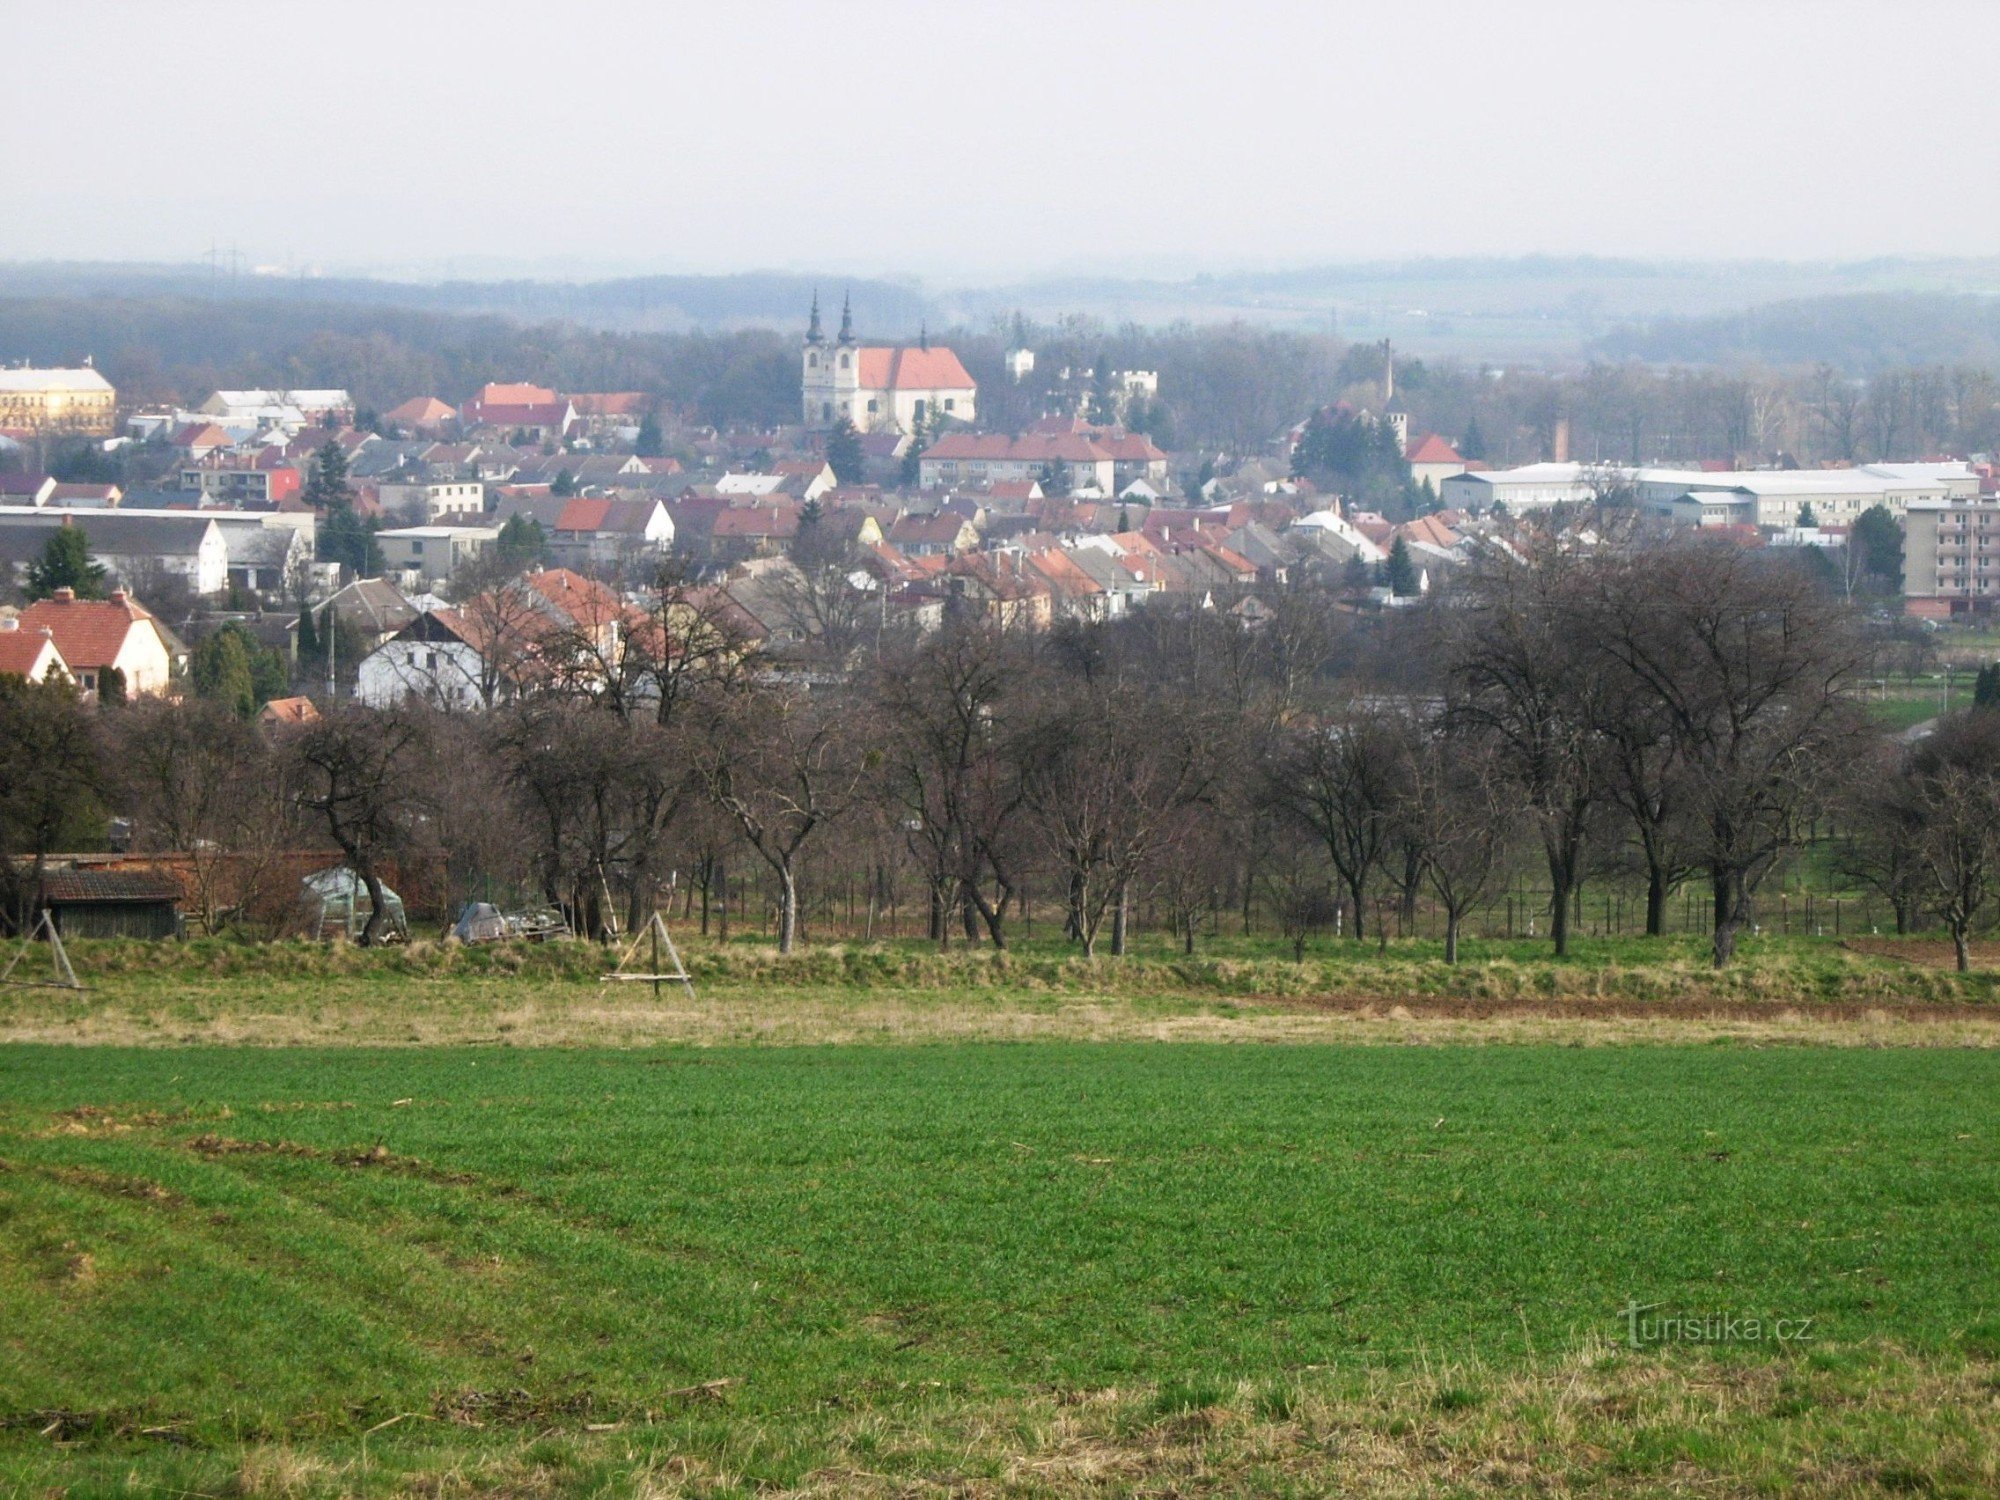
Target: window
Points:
(874, 406)
(813, 360)
(431, 660)
(843, 361)
(826, 411)
(951, 403)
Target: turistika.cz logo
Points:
(1642, 1331)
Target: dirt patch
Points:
(113, 1185)
(377, 1156)
(1597, 1009)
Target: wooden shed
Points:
(113, 903)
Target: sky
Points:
(972, 142)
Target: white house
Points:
(433, 660)
(95, 635)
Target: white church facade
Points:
(878, 388)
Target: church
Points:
(881, 389)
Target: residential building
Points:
(96, 635)
(877, 386)
(1951, 558)
(421, 414)
(29, 654)
(263, 478)
(436, 500)
(1432, 460)
(433, 553)
(58, 402)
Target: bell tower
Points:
(818, 402)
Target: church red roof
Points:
(913, 370)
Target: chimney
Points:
(118, 596)
(1560, 441)
(7, 623)
(64, 596)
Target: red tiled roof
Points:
(1432, 449)
(420, 411)
(289, 711)
(751, 521)
(88, 632)
(21, 650)
(494, 394)
(887, 369)
(583, 515)
(611, 403)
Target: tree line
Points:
(1680, 716)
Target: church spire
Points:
(813, 335)
(847, 319)
(924, 335)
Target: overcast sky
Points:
(962, 142)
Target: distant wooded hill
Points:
(1858, 334)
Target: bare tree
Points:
(1464, 809)
(1342, 776)
(784, 766)
(1950, 794)
(1519, 673)
(358, 773)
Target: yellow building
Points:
(58, 401)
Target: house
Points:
(421, 414)
(877, 387)
(25, 489)
(368, 610)
(287, 712)
(745, 531)
(439, 658)
(434, 499)
(608, 413)
(265, 559)
(97, 635)
(29, 654)
(434, 553)
(549, 625)
(540, 415)
(263, 478)
(945, 534)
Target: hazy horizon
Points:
(913, 142)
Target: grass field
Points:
(1049, 1268)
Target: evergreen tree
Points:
(326, 487)
(1055, 479)
(220, 671)
(521, 544)
(65, 564)
(651, 442)
(1880, 541)
(1986, 688)
(1473, 444)
(308, 637)
(565, 484)
(347, 539)
(1402, 571)
(110, 687)
(1806, 515)
(843, 453)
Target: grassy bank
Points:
(427, 993)
(1045, 1269)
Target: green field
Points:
(1047, 1268)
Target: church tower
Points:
(816, 386)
